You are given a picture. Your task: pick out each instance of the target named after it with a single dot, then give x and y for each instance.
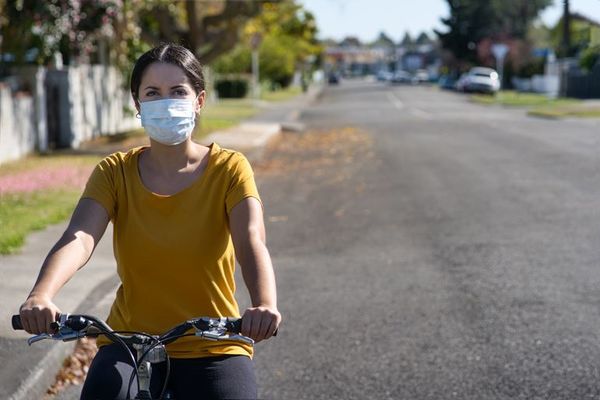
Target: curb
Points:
(41, 377)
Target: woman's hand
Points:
(260, 323)
(37, 313)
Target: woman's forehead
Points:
(159, 74)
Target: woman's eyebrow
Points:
(172, 87)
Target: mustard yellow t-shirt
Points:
(174, 253)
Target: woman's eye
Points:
(150, 93)
(181, 92)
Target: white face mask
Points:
(168, 121)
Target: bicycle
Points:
(150, 349)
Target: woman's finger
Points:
(25, 322)
(255, 329)
(246, 324)
(265, 324)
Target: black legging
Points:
(223, 377)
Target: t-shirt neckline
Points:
(213, 148)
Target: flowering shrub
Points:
(45, 27)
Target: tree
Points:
(423, 38)
(471, 21)
(38, 29)
(407, 40)
(209, 28)
(289, 40)
(384, 41)
(75, 28)
(579, 35)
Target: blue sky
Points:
(366, 18)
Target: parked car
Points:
(420, 76)
(333, 78)
(401, 76)
(384, 76)
(480, 80)
(447, 82)
(461, 82)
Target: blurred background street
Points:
(429, 173)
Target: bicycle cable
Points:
(167, 359)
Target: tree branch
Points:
(167, 24)
(220, 42)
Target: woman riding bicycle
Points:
(182, 213)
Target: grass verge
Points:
(281, 95)
(566, 112)
(512, 98)
(23, 213)
(224, 114)
(541, 106)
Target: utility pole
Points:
(255, 41)
(566, 40)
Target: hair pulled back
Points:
(171, 54)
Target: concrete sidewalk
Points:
(28, 371)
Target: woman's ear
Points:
(137, 105)
(201, 101)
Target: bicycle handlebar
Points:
(71, 327)
(149, 348)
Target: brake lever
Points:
(217, 335)
(38, 338)
(238, 337)
(217, 330)
(64, 333)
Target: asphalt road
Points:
(445, 250)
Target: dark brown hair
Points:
(171, 54)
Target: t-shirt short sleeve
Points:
(242, 184)
(101, 185)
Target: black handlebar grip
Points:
(16, 323)
(236, 326)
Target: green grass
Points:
(281, 95)
(516, 99)
(565, 112)
(224, 114)
(21, 214)
(541, 106)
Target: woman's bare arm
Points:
(249, 239)
(70, 253)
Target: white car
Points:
(481, 80)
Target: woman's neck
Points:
(172, 159)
